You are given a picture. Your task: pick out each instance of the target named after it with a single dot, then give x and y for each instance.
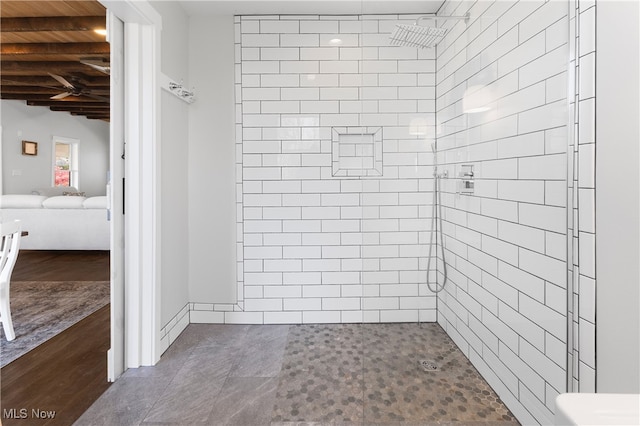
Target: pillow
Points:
(54, 191)
(95, 202)
(73, 194)
(21, 201)
(62, 202)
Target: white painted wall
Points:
(174, 136)
(174, 206)
(175, 29)
(211, 172)
(39, 124)
(618, 185)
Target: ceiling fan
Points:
(74, 90)
(98, 64)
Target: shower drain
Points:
(428, 365)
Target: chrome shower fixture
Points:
(418, 36)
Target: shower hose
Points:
(436, 225)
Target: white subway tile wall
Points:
(581, 199)
(505, 303)
(170, 332)
(334, 161)
(325, 238)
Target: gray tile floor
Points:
(308, 374)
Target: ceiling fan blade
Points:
(60, 96)
(102, 69)
(62, 81)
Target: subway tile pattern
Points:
(213, 313)
(581, 181)
(356, 151)
(321, 241)
(170, 332)
(502, 108)
(334, 166)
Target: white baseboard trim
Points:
(170, 332)
(230, 313)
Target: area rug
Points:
(42, 309)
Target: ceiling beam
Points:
(60, 104)
(48, 89)
(103, 110)
(40, 68)
(28, 97)
(44, 45)
(30, 90)
(88, 114)
(99, 48)
(53, 23)
(37, 80)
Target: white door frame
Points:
(115, 194)
(1, 185)
(141, 310)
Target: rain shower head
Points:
(418, 36)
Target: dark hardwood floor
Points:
(61, 265)
(57, 381)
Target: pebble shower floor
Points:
(330, 374)
(373, 374)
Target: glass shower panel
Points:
(398, 101)
(502, 115)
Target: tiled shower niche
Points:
(356, 151)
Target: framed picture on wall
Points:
(29, 148)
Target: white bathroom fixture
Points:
(418, 36)
(597, 409)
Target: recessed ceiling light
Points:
(100, 31)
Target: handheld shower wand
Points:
(436, 224)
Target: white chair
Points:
(9, 247)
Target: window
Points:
(65, 162)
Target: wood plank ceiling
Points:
(51, 56)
